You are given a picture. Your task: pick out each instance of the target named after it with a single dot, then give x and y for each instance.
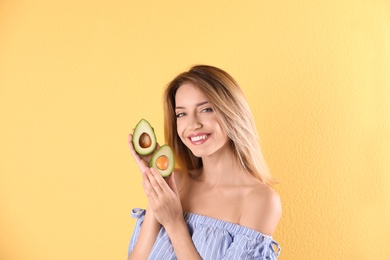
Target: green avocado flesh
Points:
(144, 138)
(163, 160)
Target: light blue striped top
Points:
(213, 238)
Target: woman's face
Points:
(197, 123)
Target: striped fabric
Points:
(213, 238)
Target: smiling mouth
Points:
(198, 138)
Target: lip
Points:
(199, 138)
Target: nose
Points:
(194, 123)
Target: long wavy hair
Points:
(232, 111)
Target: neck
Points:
(222, 168)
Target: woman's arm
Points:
(149, 230)
(164, 207)
(150, 226)
(165, 201)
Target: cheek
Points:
(179, 129)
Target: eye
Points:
(207, 109)
(180, 115)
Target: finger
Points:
(131, 136)
(159, 179)
(144, 176)
(148, 188)
(130, 142)
(151, 198)
(154, 182)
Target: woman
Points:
(218, 204)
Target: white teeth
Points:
(198, 138)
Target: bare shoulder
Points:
(262, 209)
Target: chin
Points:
(198, 153)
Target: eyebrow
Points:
(198, 104)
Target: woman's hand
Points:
(142, 161)
(163, 197)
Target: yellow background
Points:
(76, 76)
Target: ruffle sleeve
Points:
(244, 247)
(139, 214)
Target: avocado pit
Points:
(145, 141)
(162, 162)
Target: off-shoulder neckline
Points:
(195, 218)
(232, 227)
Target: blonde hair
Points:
(233, 111)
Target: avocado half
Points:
(163, 160)
(144, 138)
